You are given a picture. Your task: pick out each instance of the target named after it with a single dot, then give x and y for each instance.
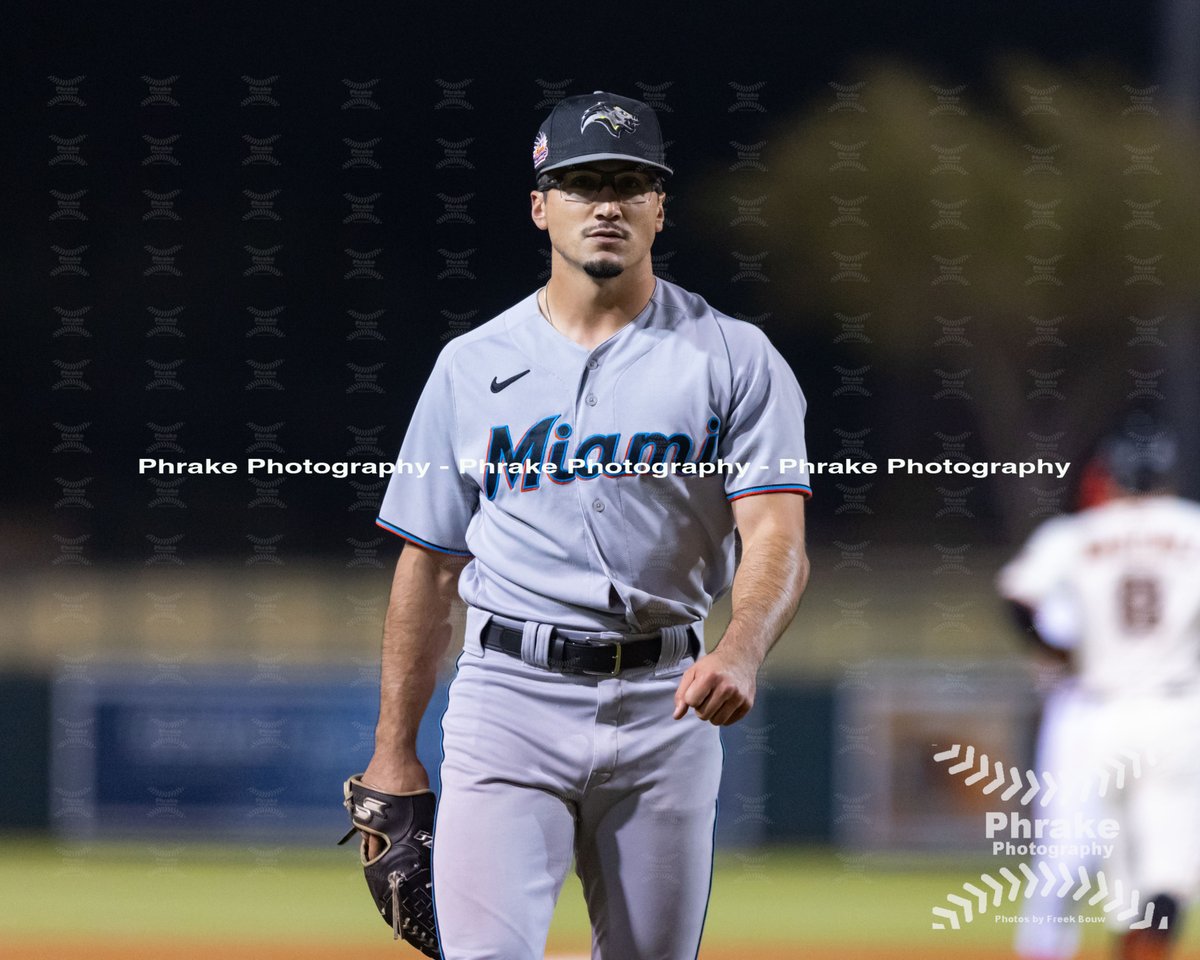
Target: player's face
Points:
(605, 236)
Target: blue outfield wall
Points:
(230, 752)
(25, 729)
(798, 776)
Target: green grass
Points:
(273, 893)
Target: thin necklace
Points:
(546, 301)
(550, 317)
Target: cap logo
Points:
(541, 149)
(612, 118)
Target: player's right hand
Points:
(718, 687)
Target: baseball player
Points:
(1050, 928)
(593, 451)
(1127, 568)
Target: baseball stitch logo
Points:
(594, 456)
(612, 118)
(1065, 849)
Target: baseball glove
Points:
(399, 877)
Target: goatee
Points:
(602, 269)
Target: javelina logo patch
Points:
(612, 118)
(541, 149)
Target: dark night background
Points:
(225, 612)
(504, 51)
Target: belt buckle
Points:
(616, 668)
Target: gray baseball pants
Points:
(539, 767)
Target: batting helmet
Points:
(1142, 454)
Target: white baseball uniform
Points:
(1132, 568)
(1063, 750)
(540, 765)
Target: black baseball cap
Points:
(599, 126)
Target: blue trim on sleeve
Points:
(771, 488)
(413, 538)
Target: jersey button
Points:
(593, 364)
(590, 399)
(598, 506)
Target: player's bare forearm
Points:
(416, 633)
(767, 588)
(771, 577)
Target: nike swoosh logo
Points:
(498, 385)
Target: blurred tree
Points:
(1061, 216)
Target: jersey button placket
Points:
(586, 424)
(591, 400)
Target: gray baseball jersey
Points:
(592, 487)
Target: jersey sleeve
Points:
(1043, 566)
(765, 431)
(428, 501)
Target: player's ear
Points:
(537, 208)
(661, 215)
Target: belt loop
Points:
(535, 643)
(674, 648)
(477, 624)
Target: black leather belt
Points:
(599, 658)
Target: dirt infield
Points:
(82, 949)
(216, 950)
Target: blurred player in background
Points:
(1049, 928)
(1118, 585)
